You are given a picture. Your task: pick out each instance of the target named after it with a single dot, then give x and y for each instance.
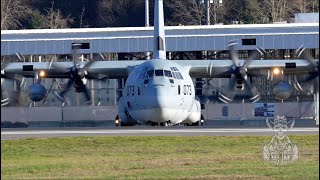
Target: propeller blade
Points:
(20, 57)
(311, 77)
(252, 91)
(301, 53)
(75, 56)
(229, 92)
(60, 95)
(4, 101)
(218, 71)
(254, 55)
(86, 94)
(233, 53)
(309, 58)
(60, 68)
(87, 65)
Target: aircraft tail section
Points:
(159, 44)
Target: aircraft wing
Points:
(196, 68)
(97, 70)
(221, 68)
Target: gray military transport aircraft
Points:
(161, 91)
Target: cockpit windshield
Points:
(167, 73)
(158, 72)
(150, 73)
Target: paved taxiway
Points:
(147, 131)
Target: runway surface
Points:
(147, 131)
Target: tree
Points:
(217, 12)
(13, 13)
(185, 12)
(253, 13)
(121, 12)
(52, 19)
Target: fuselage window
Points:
(171, 81)
(150, 73)
(167, 73)
(174, 69)
(174, 75)
(158, 72)
(177, 75)
(178, 89)
(132, 90)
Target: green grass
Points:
(198, 157)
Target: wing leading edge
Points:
(196, 68)
(222, 68)
(98, 70)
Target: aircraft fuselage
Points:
(159, 91)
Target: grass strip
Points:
(197, 157)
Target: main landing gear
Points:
(167, 123)
(198, 123)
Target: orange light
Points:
(276, 71)
(42, 73)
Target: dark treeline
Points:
(39, 14)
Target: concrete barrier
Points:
(239, 115)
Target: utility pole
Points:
(147, 22)
(208, 12)
(92, 89)
(316, 100)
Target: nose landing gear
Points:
(117, 121)
(167, 123)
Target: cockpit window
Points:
(158, 72)
(167, 73)
(174, 69)
(174, 75)
(179, 75)
(150, 73)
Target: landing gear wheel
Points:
(117, 121)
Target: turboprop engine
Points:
(36, 92)
(282, 90)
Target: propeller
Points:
(18, 79)
(239, 75)
(76, 77)
(301, 53)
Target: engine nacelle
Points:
(282, 90)
(36, 92)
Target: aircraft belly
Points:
(160, 115)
